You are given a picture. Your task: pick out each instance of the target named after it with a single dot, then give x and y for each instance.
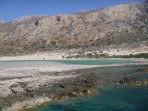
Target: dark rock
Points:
(62, 86)
(133, 81)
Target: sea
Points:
(106, 97)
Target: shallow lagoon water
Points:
(95, 61)
(28, 63)
(106, 98)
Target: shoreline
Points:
(71, 83)
(60, 55)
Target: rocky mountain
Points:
(123, 26)
(1, 22)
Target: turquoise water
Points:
(107, 98)
(27, 63)
(95, 62)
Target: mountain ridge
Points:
(113, 27)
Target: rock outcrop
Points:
(18, 92)
(121, 26)
(134, 82)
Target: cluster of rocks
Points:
(70, 87)
(57, 85)
(133, 81)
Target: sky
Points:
(12, 9)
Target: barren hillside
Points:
(124, 26)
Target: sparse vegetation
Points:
(88, 55)
(99, 33)
(141, 55)
(104, 55)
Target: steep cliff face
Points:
(109, 27)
